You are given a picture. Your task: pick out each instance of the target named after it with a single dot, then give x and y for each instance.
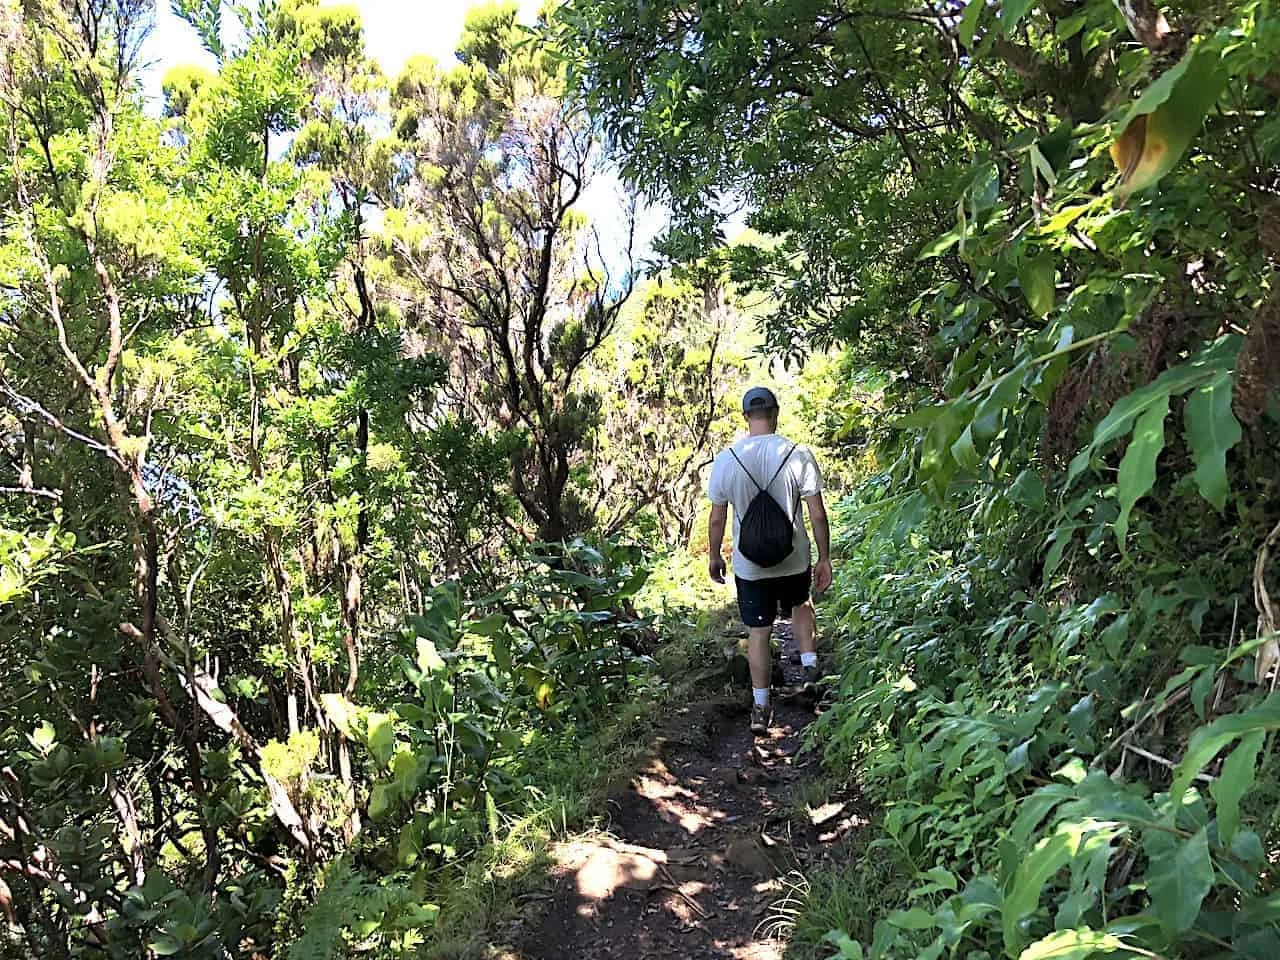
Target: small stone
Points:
(750, 857)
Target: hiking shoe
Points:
(809, 677)
(761, 719)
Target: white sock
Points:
(761, 697)
(809, 659)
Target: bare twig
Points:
(1179, 695)
(54, 495)
(1268, 655)
(26, 405)
(1162, 761)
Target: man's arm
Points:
(715, 538)
(822, 537)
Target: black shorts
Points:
(760, 602)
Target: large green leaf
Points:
(969, 22)
(936, 461)
(1159, 91)
(849, 948)
(1064, 218)
(1119, 420)
(1232, 784)
(1179, 876)
(1207, 741)
(1049, 856)
(942, 244)
(1001, 395)
(1038, 867)
(381, 797)
(166, 945)
(1072, 945)
(917, 918)
(1173, 382)
(488, 626)
(1035, 277)
(964, 452)
(1212, 430)
(342, 713)
(1138, 467)
(1028, 489)
(1040, 164)
(501, 648)
(984, 189)
(1011, 14)
(920, 417)
(382, 737)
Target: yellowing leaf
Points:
(1126, 151)
(429, 660)
(1163, 121)
(543, 694)
(1072, 945)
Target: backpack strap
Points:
(748, 472)
(796, 505)
(783, 463)
(775, 473)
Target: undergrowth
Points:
(576, 774)
(1063, 754)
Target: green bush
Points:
(998, 717)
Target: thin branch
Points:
(54, 495)
(27, 405)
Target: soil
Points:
(695, 859)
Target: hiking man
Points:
(765, 476)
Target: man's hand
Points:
(822, 534)
(821, 577)
(715, 537)
(716, 568)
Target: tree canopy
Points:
(353, 467)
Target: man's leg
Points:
(759, 656)
(804, 627)
(758, 605)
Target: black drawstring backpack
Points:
(765, 532)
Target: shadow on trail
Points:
(692, 857)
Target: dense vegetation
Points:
(339, 445)
(324, 412)
(1047, 235)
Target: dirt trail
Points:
(694, 858)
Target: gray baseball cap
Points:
(759, 398)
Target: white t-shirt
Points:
(763, 455)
